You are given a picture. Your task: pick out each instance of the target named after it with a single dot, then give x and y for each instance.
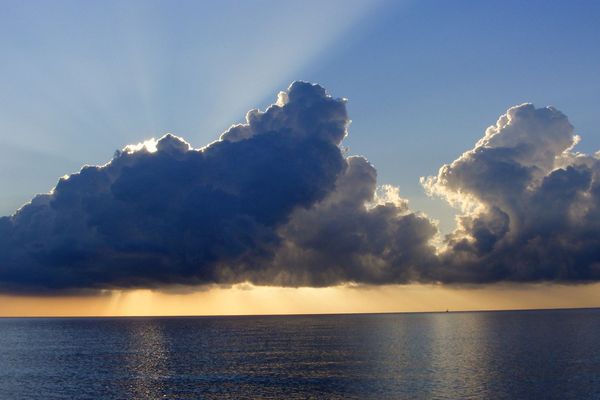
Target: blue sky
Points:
(424, 79)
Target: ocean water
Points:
(479, 355)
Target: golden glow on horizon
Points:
(245, 300)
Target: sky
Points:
(423, 81)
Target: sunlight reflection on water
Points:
(503, 355)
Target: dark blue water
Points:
(492, 355)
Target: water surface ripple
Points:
(479, 355)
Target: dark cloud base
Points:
(275, 202)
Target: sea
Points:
(553, 354)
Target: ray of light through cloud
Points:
(86, 79)
(80, 82)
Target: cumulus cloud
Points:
(163, 213)
(530, 204)
(274, 201)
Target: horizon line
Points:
(449, 311)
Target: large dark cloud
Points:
(275, 202)
(272, 202)
(163, 213)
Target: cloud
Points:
(162, 213)
(354, 235)
(531, 204)
(274, 201)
